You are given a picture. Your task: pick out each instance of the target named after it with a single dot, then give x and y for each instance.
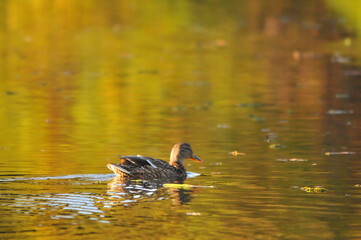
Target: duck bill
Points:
(195, 158)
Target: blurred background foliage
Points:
(95, 78)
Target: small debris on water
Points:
(352, 73)
(338, 153)
(292, 160)
(179, 108)
(10, 93)
(257, 118)
(316, 189)
(217, 163)
(184, 186)
(236, 153)
(271, 136)
(297, 55)
(338, 111)
(222, 126)
(337, 58)
(249, 105)
(205, 106)
(342, 95)
(347, 41)
(193, 213)
(148, 71)
(221, 43)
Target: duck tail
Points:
(118, 169)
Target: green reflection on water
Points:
(82, 81)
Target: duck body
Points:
(147, 168)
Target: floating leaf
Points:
(180, 186)
(338, 153)
(276, 146)
(236, 153)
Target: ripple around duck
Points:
(85, 196)
(88, 177)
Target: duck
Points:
(147, 168)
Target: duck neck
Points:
(176, 161)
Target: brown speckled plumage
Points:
(138, 167)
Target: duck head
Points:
(182, 151)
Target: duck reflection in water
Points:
(134, 191)
(152, 173)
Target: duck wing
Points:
(140, 161)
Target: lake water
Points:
(277, 81)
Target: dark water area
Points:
(268, 93)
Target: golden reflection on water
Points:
(94, 80)
(83, 81)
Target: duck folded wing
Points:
(138, 161)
